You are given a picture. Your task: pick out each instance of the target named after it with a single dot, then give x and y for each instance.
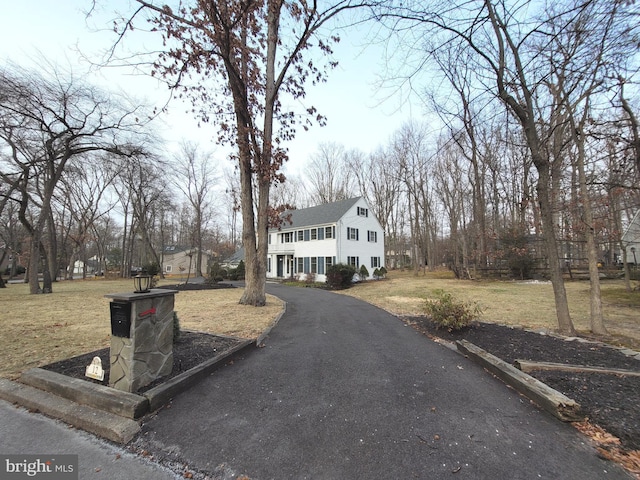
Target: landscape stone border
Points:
(98, 409)
(104, 411)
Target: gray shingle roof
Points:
(320, 215)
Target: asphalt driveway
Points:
(343, 390)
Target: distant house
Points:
(631, 240)
(234, 260)
(318, 237)
(79, 266)
(177, 260)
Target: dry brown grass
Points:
(528, 304)
(40, 329)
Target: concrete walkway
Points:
(23, 433)
(343, 390)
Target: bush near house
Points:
(364, 273)
(340, 276)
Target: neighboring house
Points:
(234, 260)
(318, 237)
(181, 260)
(631, 240)
(79, 265)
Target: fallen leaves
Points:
(608, 447)
(596, 433)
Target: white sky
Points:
(356, 117)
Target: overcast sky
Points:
(350, 100)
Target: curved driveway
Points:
(343, 390)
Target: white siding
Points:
(339, 247)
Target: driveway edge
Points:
(556, 403)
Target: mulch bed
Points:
(610, 401)
(191, 349)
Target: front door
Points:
(280, 267)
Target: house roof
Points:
(172, 249)
(632, 233)
(237, 257)
(319, 215)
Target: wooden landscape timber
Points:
(559, 405)
(531, 366)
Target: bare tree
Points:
(458, 72)
(503, 41)
(141, 191)
(414, 161)
(452, 186)
(195, 179)
(253, 52)
(10, 230)
(329, 175)
(83, 189)
(291, 192)
(45, 122)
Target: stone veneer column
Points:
(148, 352)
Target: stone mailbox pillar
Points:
(141, 338)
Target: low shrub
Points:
(238, 272)
(340, 276)
(216, 273)
(364, 273)
(451, 314)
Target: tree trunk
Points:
(565, 325)
(4, 255)
(52, 246)
(47, 280)
(597, 320)
(34, 265)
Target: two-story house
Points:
(315, 238)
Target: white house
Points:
(631, 240)
(318, 237)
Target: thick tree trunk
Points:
(254, 290)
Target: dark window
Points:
(329, 232)
(328, 261)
